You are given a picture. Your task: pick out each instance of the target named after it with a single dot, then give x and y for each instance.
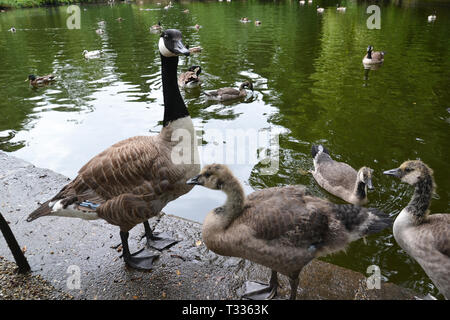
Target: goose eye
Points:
(408, 170)
(207, 175)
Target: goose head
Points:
(246, 84)
(369, 49)
(196, 69)
(212, 176)
(411, 171)
(365, 176)
(170, 44)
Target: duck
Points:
(320, 10)
(92, 54)
(225, 94)
(40, 81)
(190, 79)
(373, 57)
(424, 236)
(19, 257)
(195, 49)
(340, 179)
(340, 9)
(282, 228)
(12, 29)
(257, 22)
(156, 27)
(432, 17)
(133, 180)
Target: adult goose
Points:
(424, 237)
(339, 178)
(134, 179)
(40, 81)
(373, 57)
(226, 94)
(190, 79)
(282, 228)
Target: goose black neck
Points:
(361, 190)
(174, 107)
(369, 54)
(421, 199)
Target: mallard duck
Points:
(190, 79)
(282, 228)
(195, 49)
(373, 57)
(92, 54)
(133, 180)
(40, 81)
(340, 9)
(225, 94)
(339, 178)
(424, 237)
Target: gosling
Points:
(282, 228)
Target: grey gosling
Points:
(134, 179)
(424, 237)
(190, 79)
(226, 94)
(340, 179)
(282, 228)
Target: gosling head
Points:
(212, 176)
(170, 44)
(411, 171)
(365, 175)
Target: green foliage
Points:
(37, 3)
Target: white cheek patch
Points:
(412, 177)
(163, 49)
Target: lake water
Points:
(309, 87)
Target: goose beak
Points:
(194, 181)
(180, 49)
(394, 172)
(369, 184)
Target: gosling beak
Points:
(194, 181)
(180, 49)
(26, 80)
(369, 184)
(394, 172)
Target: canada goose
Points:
(257, 22)
(424, 237)
(156, 27)
(92, 54)
(339, 178)
(432, 17)
(12, 30)
(190, 79)
(340, 9)
(373, 57)
(224, 94)
(17, 253)
(320, 10)
(134, 179)
(282, 228)
(40, 81)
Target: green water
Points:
(309, 86)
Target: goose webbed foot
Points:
(260, 291)
(160, 241)
(141, 260)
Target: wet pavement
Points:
(59, 248)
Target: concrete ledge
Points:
(187, 270)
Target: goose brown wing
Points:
(338, 174)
